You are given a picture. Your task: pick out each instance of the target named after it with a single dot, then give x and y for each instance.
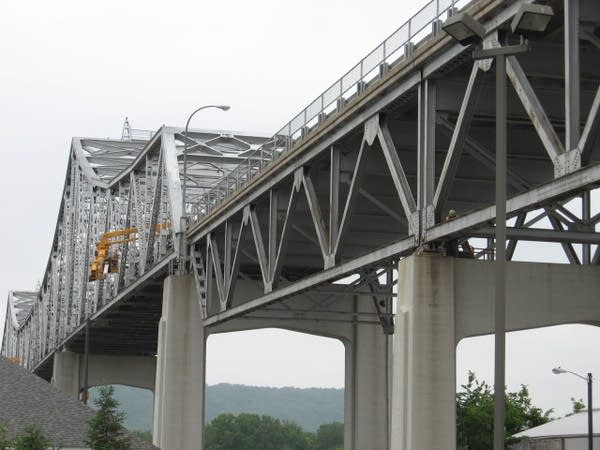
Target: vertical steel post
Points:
(572, 74)
(86, 356)
(426, 149)
(334, 198)
(500, 263)
(586, 249)
(590, 414)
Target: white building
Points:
(566, 433)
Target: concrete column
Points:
(179, 400)
(65, 373)
(423, 393)
(366, 407)
(136, 371)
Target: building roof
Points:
(573, 425)
(26, 399)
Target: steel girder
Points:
(112, 185)
(396, 157)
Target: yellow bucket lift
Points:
(102, 252)
(103, 255)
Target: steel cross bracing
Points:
(327, 209)
(113, 185)
(374, 178)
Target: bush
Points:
(32, 439)
(5, 442)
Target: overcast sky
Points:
(73, 68)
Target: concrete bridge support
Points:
(423, 402)
(443, 300)
(367, 387)
(367, 368)
(69, 371)
(180, 372)
(66, 373)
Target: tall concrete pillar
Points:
(65, 372)
(366, 407)
(180, 372)
(423, 393)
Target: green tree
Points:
(32, 439)
(578, 405)
(5, 442)
(475, 414)
(253, 432)
(105, 429)
(330, 436)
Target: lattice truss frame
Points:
(431, 133)
(113, 185)
(368, 183)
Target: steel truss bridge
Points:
(362, 177)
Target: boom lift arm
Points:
(102, 249)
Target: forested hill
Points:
(309, 408)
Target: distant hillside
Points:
(309, 408)
(136, 403)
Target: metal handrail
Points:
(420, 28)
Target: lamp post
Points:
(185, 147)
(588, 380)
(466, 30)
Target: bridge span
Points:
(369, 217)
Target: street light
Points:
(531, 18)
(463, 28)
(185, 146)
(588, 380)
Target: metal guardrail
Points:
(420, 28)
(142, 135)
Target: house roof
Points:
(26, 399)
(573, 425)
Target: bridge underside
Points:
(324, 213)
(374, 179)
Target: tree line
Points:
(474, 421)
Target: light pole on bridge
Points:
(467, 31)
(182, 256)
(185, 148)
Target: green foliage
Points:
(330, 436)
(32, 439)
(143, 434)
(254, 432)
(105, 429)
(5, 442)
(475, 414)
(578, 405)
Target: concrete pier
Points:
(68, 371)
(180, 377)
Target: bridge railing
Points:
(421, 27)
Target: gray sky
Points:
(73, 68)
